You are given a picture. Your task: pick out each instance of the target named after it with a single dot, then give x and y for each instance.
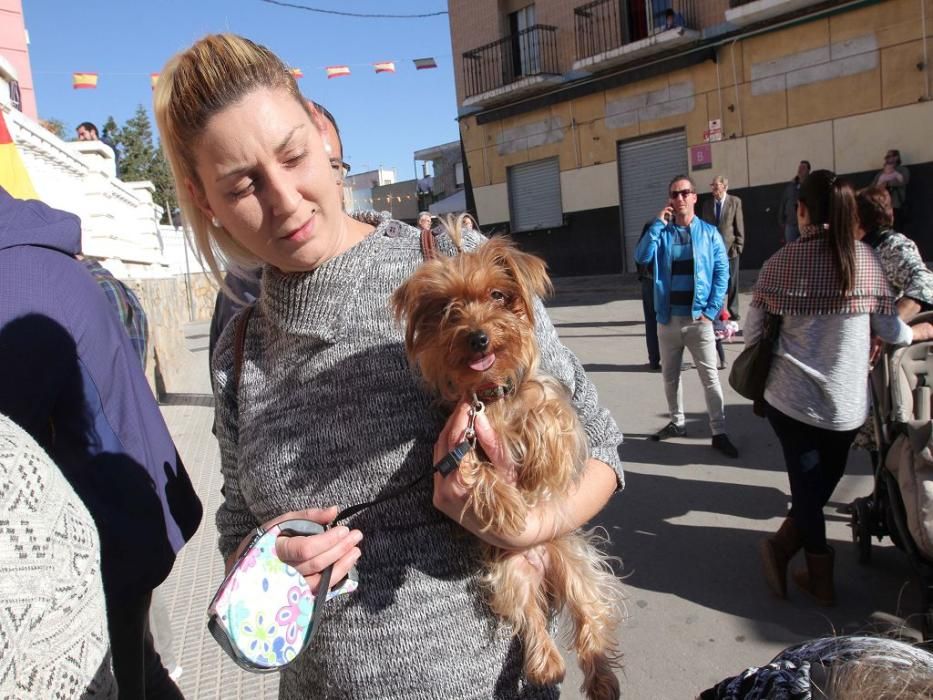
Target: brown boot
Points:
(776, 552)
(817, 578)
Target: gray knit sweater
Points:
(329, 412)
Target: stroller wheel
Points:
(861, 529)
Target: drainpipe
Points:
(926, 62)
(735, 85)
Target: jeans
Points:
(816, 460)
(651, 322)
(697, 336)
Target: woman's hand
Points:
(547, 520)
(450, 493)
(311, 554)
(921, 331)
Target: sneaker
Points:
(722, 443)
(668, 431)
(654, 366)
(721, 365)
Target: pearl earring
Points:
(215, 222)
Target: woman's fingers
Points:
(494, 448)
(453, 431)
(312, 553)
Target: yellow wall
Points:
(837, 91)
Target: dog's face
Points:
(471, 318)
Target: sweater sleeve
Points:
(603, 434)
(234, 519)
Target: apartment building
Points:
(574, 115)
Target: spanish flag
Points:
(153, 79)
(337, 71)
(83, 80)
(298, 73)
(385, 67)
(13, 176)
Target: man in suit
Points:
(725, 212)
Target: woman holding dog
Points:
(324, 409)
(831, 295)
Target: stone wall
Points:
(170, 368)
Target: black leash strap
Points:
(359, 507)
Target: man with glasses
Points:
(692, 269)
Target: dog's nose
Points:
(479, 341)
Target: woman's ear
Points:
(200, 201)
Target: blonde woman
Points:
(326, 410)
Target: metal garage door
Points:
(646, 167)
(534, 195)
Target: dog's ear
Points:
(404, 303)
(528, 271)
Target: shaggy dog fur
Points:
(470, 331)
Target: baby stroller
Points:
(901, 503)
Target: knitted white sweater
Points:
(330, 413)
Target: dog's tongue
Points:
(483, 363)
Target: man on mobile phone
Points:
(689, 290)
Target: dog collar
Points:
(493, 392)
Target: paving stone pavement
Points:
(685, 527)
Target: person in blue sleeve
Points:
(71, 378)
(691, 275)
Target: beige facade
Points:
(838, 89)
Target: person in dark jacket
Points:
(646, 277)
(71, 378)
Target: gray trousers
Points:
(697, 336)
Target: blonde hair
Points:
(214, 73)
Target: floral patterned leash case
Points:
(264, 614)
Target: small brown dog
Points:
(470, 331)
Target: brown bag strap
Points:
(428, 247)
(239, 345)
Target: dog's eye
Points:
(497, 296)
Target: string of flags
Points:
(87, 80)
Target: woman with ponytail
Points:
(831, 295)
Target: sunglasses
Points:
(681, 193)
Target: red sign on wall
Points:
(701, 157)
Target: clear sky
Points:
(383, 118)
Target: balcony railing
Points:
(603, 25)
(525, 54)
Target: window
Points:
(458, 174)
(534, 195)
(524, 42)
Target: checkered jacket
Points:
(801, 280)
(121, 298)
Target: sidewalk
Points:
(686, 526)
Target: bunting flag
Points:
(83, 80)
(86, 80)
(337, 71)
(13, 176)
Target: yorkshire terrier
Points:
(470, 332)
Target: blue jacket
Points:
(710, 267)
(70, 377)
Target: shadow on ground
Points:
(716, 566)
